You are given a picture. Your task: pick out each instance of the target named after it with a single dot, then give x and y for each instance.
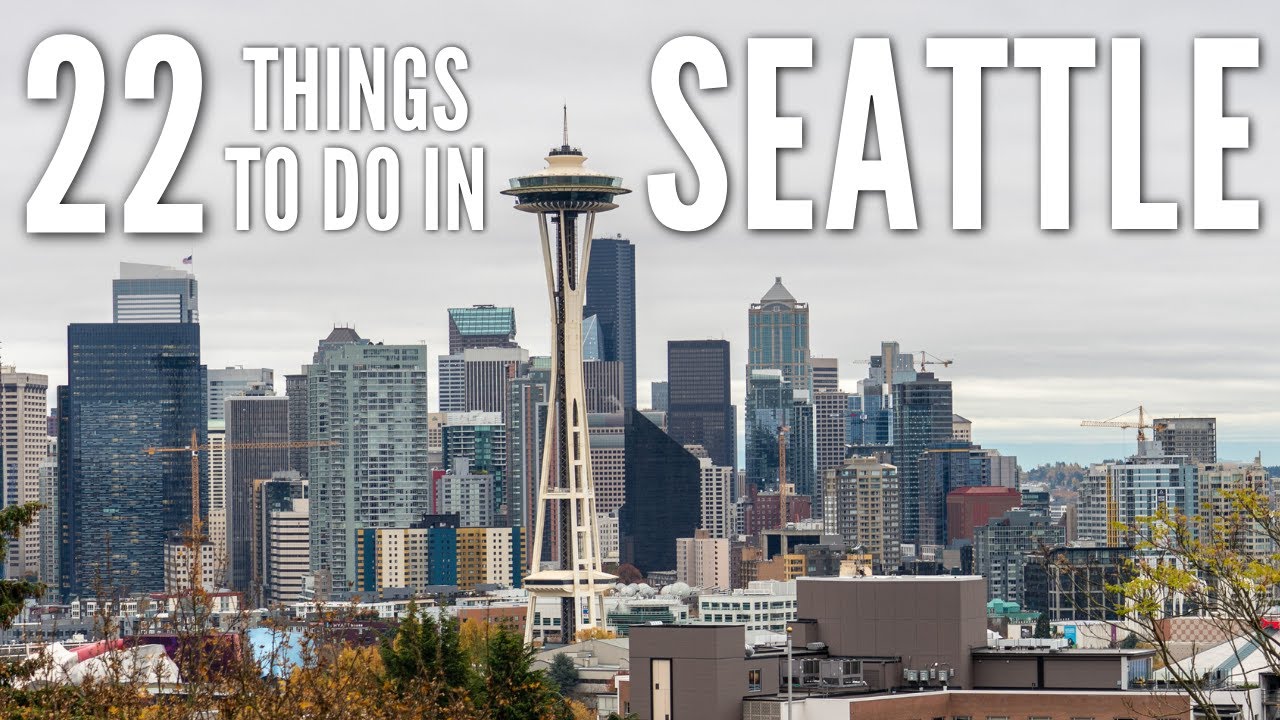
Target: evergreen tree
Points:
(1043, 629)
(513, 690)
(563, 674)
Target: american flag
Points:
(187, 260)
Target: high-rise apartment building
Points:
(49, 573)
(216, 457)
(700, 407)
(130, 387)
(663, 482)
(467, 494)
(862, 499)
(370, 402)
(250, 419)
(154, 294)
(236, 382)
(416, 557)
(1116, 494)
(948, 466)
(719, 518)
(702, 561)
(921, 420)
(611, 297)
(481, 326)
(1197, 438)
(874, 423)
(24, 445)
(478, 440)
(1223, 517)
(830, 420)
(525, 425)
(490, 556)
(296, 390)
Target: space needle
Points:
(565, 197)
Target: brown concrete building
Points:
(885, 647)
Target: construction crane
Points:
(925, 361)
(1142, 425)
(1112, 506)
(197, 538)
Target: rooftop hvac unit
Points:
(816, 646)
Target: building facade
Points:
(370, 402)
(130, 387)
(862, 499)
(611, 297)
(921, 420)
(700, 408)
(663, 481)
(1197, 438)
(154, 294)
(24, 446)
(234, 382)
(481, 326)
(250, 419)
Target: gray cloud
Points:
(1045, 329)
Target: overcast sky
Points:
(1045, 329)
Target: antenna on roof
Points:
(565, 109)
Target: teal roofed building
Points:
(481, 326)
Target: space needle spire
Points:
(565, 197)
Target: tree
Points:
(14, 593)
(629, 574)
(1043, 629)
(512, 689)
(1219, 565)
(563, 673)
(594, 633)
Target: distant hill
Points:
(1067, 476)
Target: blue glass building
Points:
(611, 296)
(130, 387)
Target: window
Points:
(753, 680)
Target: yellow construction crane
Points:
(1113, 509)
(196, 538)
(925, 361)
(1142, 425)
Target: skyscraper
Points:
(830, 427)
(663, 488)
(526, 429)
(234, 382)
(611, 297)
(778, 332)
(602, 385)
(281, 539)
(24, 445)
(296, 390)
(861, 506)
(487, 373)
(370, 402)
(770, 404)
(481, 326)
(559, 196)
(700, 406)
(250, 419)
(1197, 438)
(921, 420)
(130, 387)
(154, 294)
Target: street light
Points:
(791, 686)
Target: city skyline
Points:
(1046, 329)
(1069, 443)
